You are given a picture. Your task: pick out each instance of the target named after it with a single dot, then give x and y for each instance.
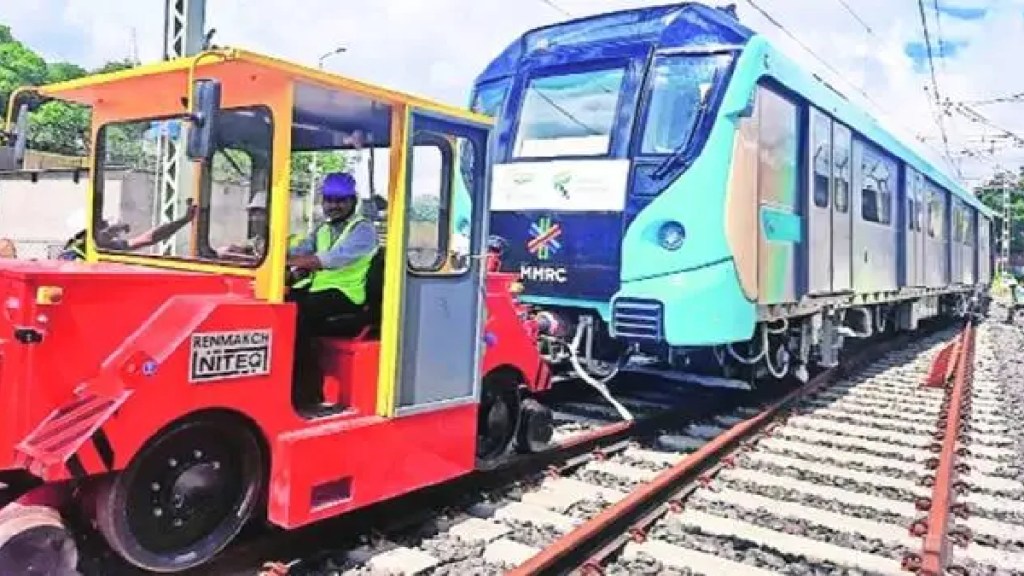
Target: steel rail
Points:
(578, 547)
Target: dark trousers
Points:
(314, 308)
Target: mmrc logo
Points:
(544, 238)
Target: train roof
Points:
(688, 23)
(665, 25)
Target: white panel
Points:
(568, 186)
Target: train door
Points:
(910, 235)
(922, 234)
(439, 322)
(819, 204)
(914, 244)
(956, 240)
(842, 216)
(970, 255)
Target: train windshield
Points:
(569, 114)
(490, 97)
(680, 88)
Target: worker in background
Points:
(334, 259)
(256, 246)
(108, 237)
(8, 249)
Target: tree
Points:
(19, 66)
(326, 162)
(991, 194)
(63, 71)
(115, 66)
(53, 126)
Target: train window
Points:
(876, 177)
(821, 126)
(936, 213)
(910, 184)
(569, 114)
(680, 88)
(841, 166)
(490, 97)
(777, 142)
(969, 227)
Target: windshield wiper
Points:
(681, 154)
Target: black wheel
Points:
(536, 427)
(184, 496)
(497, 421)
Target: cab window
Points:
(138, 214)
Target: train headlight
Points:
(671, 235)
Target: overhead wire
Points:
(857, 17)
(772, 20)
(936, 93)
(551, 4)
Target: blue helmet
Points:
(339, 186)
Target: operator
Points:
(107, 236)
(336, 257)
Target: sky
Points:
(436, 47)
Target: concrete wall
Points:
(40, 210)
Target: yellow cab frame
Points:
(248, 79)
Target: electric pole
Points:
(184, 22)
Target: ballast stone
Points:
(402, 561)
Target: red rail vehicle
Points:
(159, 381)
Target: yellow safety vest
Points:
(350, 280)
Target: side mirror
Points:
(206, 95)
(21, 135)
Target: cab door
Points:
(438, 324)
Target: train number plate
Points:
(226, 355)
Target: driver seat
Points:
(364, 324)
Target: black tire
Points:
(185, 495)
(497, 422)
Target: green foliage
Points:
(114, 66)
(425, 209)
(18, 66)
(63, 71)
(991, 194)
(60, 127)
(326, 162)
(54, 126)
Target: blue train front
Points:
(673, 189)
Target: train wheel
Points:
(536, 428)
(184, 497)
(497, 421)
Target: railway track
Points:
(866, 475)
(583, 422)
(847, 449)
(840, 476)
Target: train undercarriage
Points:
(793, 342)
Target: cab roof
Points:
(316, 96)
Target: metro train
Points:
(686, 199)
